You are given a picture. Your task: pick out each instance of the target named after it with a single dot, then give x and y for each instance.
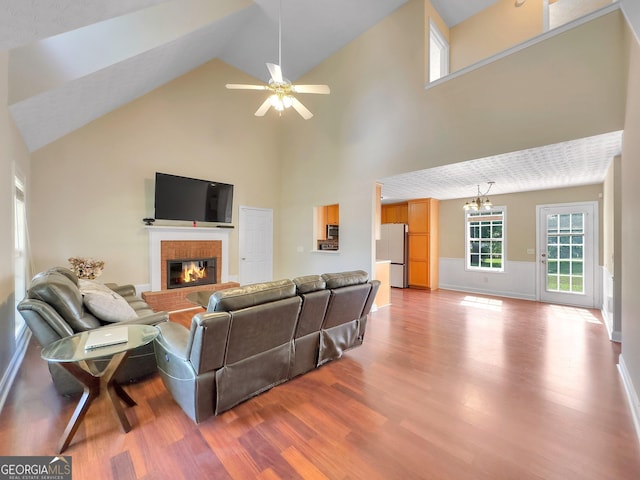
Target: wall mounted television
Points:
(192, 199)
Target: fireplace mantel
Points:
(158, 234)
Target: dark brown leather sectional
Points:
(255, 337)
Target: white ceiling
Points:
(109, 52)
(578, 162)
(72, 61)
(455, 11)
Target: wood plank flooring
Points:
(447, 385)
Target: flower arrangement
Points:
(86, 268)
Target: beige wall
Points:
(566, 11)
(521, 219)
(493, 30)
(91, 189)
(14, 159)
(366, 130)
(630, 274)
(611, 216)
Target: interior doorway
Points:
(255, 238)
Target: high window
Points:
(485, 239)
(438, 53)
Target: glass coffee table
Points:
(71, 354)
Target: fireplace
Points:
(191, 272)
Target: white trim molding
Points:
(632, 395)
(609, 306)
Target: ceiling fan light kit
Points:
(280, 88)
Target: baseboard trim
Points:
(492, 293)
(14, 366)
(632, 395)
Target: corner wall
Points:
(612, 260)
(14, 158)
(630, 356)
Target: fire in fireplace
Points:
(191, 272)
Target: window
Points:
(438, 53)
(485, 238)
(20, 252)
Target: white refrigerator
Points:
(393, 246)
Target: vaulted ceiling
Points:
(73, 61)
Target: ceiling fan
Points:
(281, 90)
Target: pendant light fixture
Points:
(481, 202)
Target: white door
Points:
(567, 253)
(255, 239)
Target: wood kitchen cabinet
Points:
(395, 213)
(333, 214)
(423, 220)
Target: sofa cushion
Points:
(63, 295)
(345, 279)
(231, 299)
(309, 283)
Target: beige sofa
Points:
(255, 337)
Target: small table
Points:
(71, 354)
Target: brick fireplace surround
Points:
(166, 243)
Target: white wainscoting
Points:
(608, 306)
(517, 281)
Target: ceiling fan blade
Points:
(323, 89)
(276, 72)
(263, 108)
(240, 86)
(301, 109)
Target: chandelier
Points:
(481, 202)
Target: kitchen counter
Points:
(383, 273)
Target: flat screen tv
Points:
(192, 199)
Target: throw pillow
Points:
(89, 286)
(104, 303)
(110, 308)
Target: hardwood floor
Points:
(447, 385)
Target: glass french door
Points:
(567, 253)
